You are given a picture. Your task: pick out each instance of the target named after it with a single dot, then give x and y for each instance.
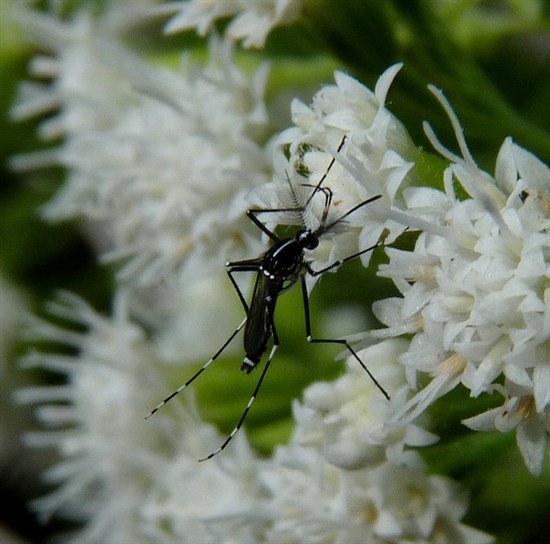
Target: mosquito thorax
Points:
(307, 239)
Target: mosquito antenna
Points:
(295, 199)
(326, 228)
(198, 373)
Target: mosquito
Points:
(277, 270)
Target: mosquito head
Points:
(307, 239)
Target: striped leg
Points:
(250, 402)
(198, 373)
(248, 406)
(342, 341)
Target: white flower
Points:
(350, 140)
(346, 475)
(477, 285)
(194, 320)
(162, 160)
(347, 417)
(316, 502)
(92, 419)
(211, 502)
(252, 24)
(518, 412)
(411, 506)
(128, 479)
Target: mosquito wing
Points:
(259, 322)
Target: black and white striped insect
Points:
(283, 265)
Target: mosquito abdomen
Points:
(249, 365)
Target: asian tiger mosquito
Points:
(277, 270)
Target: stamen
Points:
(452, 366)
(458, 130)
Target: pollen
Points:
(452, 366)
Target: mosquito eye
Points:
(312, 242)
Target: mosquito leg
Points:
(251, 265)
(339, 262)
(328, 199)
(248, 406)
(198, 373)
(341, 341)
(329, 168)
(253, 213)
(252, 398)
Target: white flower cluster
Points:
(253, 21)
(348, 418)
(384, 504)
(347, 477)
(129, 480)
(344, 477)
(349, 126)
(161, 160)
(476, 291)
